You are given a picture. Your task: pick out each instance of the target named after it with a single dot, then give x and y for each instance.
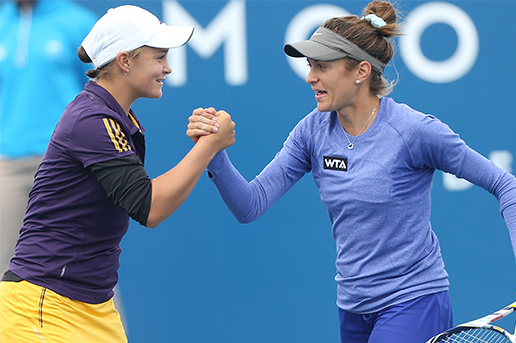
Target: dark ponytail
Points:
(83, 56)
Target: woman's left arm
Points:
(484, 173)
(443, 149)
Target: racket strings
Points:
(480, 335)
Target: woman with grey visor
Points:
(373, 161)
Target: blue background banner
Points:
(203, 277)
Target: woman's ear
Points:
(363, 71)
(122, 60)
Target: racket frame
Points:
(483, 322)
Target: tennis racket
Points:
(479, 331)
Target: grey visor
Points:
(327, 45)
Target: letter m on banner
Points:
(228, 27)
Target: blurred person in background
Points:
(39, 75)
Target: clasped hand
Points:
(208, 123)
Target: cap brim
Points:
(313, 50)
(172, 37)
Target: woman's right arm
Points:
(247, 200)
(126, 182)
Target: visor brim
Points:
(172, 37)
(313, 50)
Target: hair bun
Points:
(382, 12)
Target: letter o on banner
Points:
(460, 63)
(303, 25)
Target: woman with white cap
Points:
(59, 285)
(373, 161)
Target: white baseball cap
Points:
(128, 27)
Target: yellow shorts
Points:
(30, 313)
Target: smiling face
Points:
(147, 72)
(333, 84)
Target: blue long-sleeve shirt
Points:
(377, 197)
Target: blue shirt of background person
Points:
(39, 71)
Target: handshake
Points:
(210, 124)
